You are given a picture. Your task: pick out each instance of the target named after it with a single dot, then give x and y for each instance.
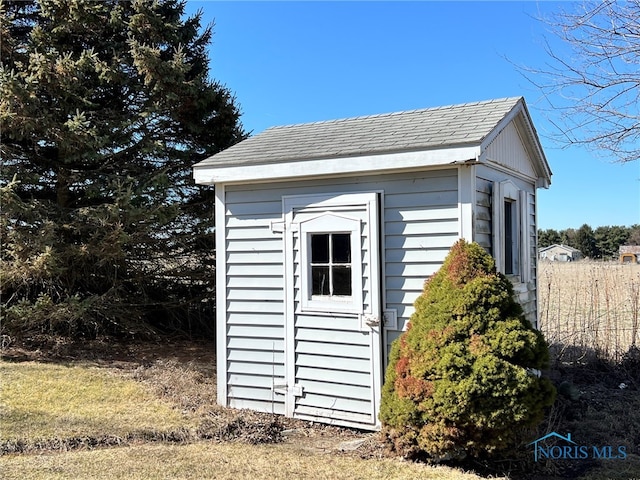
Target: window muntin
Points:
(331, 264)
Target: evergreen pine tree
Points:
(104, 108)
(462, 379)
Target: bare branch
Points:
(592, 80)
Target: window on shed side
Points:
(510, 230)
(510, 238)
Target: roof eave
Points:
(208, 174)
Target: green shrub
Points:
(461, 380)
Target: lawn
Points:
(203, 460)
(42, 401)
(157, 419)
(57, 420)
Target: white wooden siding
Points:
(346, 388)
(482, 213)
(421, 221)
(255, 302)
(529, 301)
(340, 384)
(507, 150)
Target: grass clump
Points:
(461, 379)
(185, 386)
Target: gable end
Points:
(508, 150)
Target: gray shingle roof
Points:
(454, 125)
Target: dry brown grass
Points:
(590, 307)
(39, 402)
(589, 313)
(205, 460)
(186, 385)
(201, 440)
(48, 406)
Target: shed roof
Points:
(629, 249)
(438, 128)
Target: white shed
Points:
(560, 253)
(326, 232)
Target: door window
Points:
(330, 254)
(331, 264)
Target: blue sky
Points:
(294, 62)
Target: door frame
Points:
(333, 202)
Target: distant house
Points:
(560, 253)
(630, 254)
(325, 233)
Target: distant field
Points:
(590, 306)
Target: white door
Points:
(333, 324)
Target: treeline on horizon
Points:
(600, 243)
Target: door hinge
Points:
(283, 389)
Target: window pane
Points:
(320, 248)
(508, 237)
(341, 243)
(320, 280)
(341, 280)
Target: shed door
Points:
(332, 344)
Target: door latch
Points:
(283, 389)
(369, 321)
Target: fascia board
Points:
(211, 174)
(504, 169)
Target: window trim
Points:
(506, 192)
(328, 223)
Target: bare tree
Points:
(594, 84)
